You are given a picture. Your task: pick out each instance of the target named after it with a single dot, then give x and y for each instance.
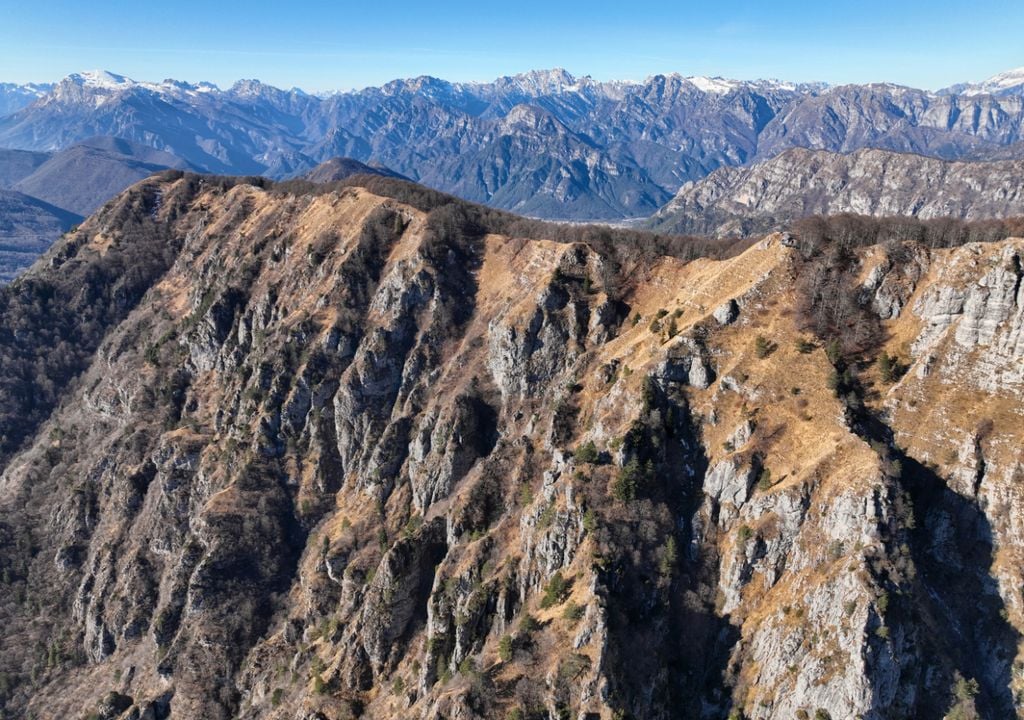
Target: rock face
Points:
(770, 194)
(333, 453)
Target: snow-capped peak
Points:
(715, 85)
(101, 79)
(544, 82)
(1010, 82)
(1005, 80)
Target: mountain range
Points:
(45, 193)
(544, 143)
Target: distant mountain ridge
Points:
(544, 143)
(1010, 82)
(797, 183)
(44, 194)
(342, 168)
(14, 97)
(86, 175)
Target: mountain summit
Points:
(1010, 82)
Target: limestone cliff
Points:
(770, 194)
(333, 453)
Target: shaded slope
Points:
(28, 226)
(84, 176)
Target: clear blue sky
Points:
(339, 45)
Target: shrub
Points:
(965, 689)
(805, 347)
(669, 556)
(626, 483)
(744, 533)
(763, 347)
(882, 603)
(505, 648)
(554, 591)
(589, 521)
(573, 612)
(547, 517)
(764, 480)
(648, 393)
(835, 549)
(587, 453)
(528, 624)
(834, 351)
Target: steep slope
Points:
(366, 451)
(28, 226)
(86, 175)
(799, 183)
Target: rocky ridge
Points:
(351, 453)
(798, 183)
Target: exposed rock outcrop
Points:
(347, 455)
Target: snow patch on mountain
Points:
(714, 85)
(1010, 82)
(100, 79)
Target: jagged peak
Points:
(423, 84)
(530, 116)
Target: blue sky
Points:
(340, 45)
